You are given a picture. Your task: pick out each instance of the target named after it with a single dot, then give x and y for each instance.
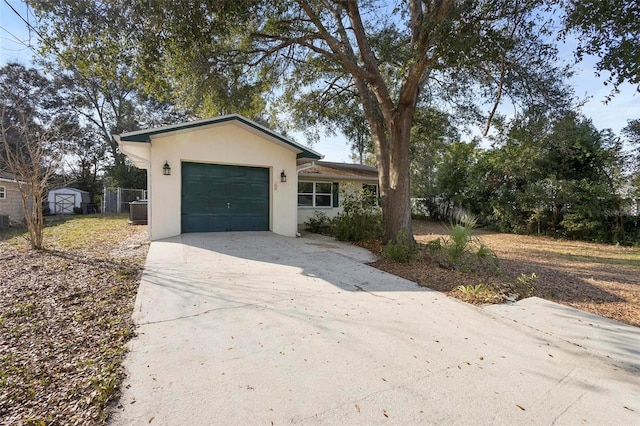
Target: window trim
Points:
(314, 194)
(3, 192)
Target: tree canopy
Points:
(609, 30)
(322, 56)
(362, 67)
(91, 56)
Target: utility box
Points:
(4, 221)
(138, 212)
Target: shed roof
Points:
(67, 188)
(145, 135)
(331, 170)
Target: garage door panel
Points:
(224, 198)
(217, 189)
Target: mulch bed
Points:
(597, 278)
(65, 319)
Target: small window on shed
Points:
(3, 193)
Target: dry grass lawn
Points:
(597, 278)
(65, 319)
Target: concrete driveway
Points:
(255, 328)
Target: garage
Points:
(219, 174)
(220, 198)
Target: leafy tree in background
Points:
(91, 54)
(386, 57)
(632, 134)
(559, 176)
(609, 30)
(454, 176)
(431, 133)
(85, 160)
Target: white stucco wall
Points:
(346, 187)
(227, 144)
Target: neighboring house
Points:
(322, 184)
(10, 200)
(220, 174)
(64, 200)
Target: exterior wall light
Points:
(166, 169)
(283, 177)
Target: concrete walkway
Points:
(254, 328)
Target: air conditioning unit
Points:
(4, 221)
(138, 212)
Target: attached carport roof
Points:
(144, 136)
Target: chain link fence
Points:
(116, 200)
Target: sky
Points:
(614, 115)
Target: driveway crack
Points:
(359, 288)
(208, 311)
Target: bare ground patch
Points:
(65, 319)
(597, 278)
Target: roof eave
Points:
(144, 136)
(336, 177)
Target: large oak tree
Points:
(387, 55)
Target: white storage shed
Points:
(63, 200)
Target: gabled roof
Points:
(5, 175)
(9, 177)
(144, 136)
(331, 170)
(69, 188)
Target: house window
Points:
(370, 193)
(3, 193)
(314, 194)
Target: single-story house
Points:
(64, 200)
(10, 199)
(322, 184)
(229, 173)
(226, 173)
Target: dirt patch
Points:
(597, 278)
(65, 319)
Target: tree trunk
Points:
(396, 197)
(391, 132)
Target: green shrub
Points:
(459, 240)
(525, 284)
(318, 223)
(403, 250)
(462, 247)
(434, 246)
(358, 221)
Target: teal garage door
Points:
(219, 198)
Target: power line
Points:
(18, 40)
(32, 28)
